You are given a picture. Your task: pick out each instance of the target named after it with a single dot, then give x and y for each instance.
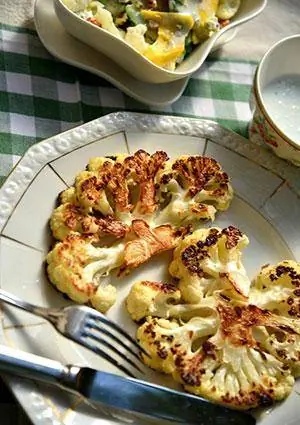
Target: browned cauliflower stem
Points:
(219, 335)
(123, 210)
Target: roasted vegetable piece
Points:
(149, 242)
(277, 288)
(206, 331)
(217, 355)
(159, 299)
(163, 31)
(113, 192)
(132, 198)
(209, 260)
(75, 267)
(115, 179)
(151, 299)
(70, 217)
(169, 47)
(228, 8)
(193, 189)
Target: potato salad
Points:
(163, 31)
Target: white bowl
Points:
(131, 60)
(281, 61)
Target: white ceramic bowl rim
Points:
(196, 66)
(258, 91)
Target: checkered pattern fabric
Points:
(41, 96)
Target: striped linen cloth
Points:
(41, 96)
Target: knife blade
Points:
(128, 394)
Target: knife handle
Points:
(36, 367)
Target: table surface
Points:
(30, 81)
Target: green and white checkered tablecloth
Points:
(41, 96)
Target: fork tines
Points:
(96, 326)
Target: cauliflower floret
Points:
(75, 266)
(158, 299)
(68, 195)
(207, 333)
(135, 36)
(282, 339)
(151, 299)
(104, 298)
(228, 8)
(70, 217)
(144, 168)
(277, 288)
(90, 192)
(114, 191)
(67, 218)
(194, 188)
(96, 163)
(104, 19)
(74, 262)
(209, 260)
(217, 355)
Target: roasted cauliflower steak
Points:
(221, 336)
(138, 205)
(217, 356)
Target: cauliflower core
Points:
(219, 335)
(135, 205)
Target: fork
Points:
(89, 328)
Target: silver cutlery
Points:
(91, 329)
(127, 394)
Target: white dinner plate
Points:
(72, 51)
(266, 207)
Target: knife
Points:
(128, 394)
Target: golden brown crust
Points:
(194, 369)
(70, 255)
(115, 176)
(108, 184)
(283, 280)
(146, 167)
(165, 288)
(199, 171)
(91, 187)
(77, 220)
(149, 242)
(111, 226)
(237, 323)
(192, 255)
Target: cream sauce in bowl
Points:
(281, 97)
